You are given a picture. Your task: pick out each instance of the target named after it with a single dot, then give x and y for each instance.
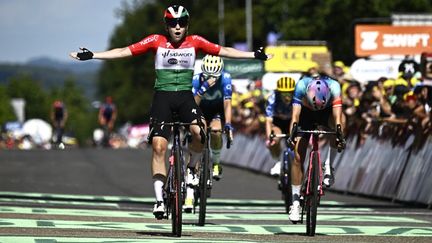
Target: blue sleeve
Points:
(300, 90)
(271, 101)
(195, 83)
(335, 88)
(226, 85)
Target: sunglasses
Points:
(206, 76)
(182, 22)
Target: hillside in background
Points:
(53, 73)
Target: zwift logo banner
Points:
(392, 40)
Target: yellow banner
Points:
(293, 58)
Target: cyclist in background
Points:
(212, 92)
(317, 100)
(175, 55)
(59, 116)
(278, 117)
(107, 117)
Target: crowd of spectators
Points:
(388, 108)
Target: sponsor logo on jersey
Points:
(169, 53)
(148, 39)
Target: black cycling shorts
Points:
(213, 111)
(165, 103)
(308, 118)
(282, 124)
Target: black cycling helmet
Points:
(176, 14)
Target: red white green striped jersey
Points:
(174, 62)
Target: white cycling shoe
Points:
(294, 213)
(275, 170)
(329, 179)
(192, 178)
(159, 210)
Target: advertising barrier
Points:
(377, 168)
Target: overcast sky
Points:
(53, 28)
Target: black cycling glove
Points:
(340, 140)
(259, 54)
(85, 54)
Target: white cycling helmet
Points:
(212, 65)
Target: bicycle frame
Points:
(175, 186)
(206, 171)
(312, 186)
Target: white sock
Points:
(189, 192)
(158, 184)
(295, 190)
(330, 157)
(194, 158)
(216, 155)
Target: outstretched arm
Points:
(104, 55)
(234, 53)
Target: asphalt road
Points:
(102, 195)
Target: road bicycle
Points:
(205, 176)
(312, 185)
(175, 186)
(284, 183)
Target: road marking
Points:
(27, 239)
(209, 216)
(225, 228)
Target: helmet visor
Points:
(182, 22)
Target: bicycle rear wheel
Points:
(177, 195)
(203, 188)
(313, 198)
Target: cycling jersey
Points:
(301, 88)
(212, 102)
(217, 93)
(107, 111)
(174, 63)
(59, 112)
(277, 107)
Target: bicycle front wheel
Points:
(178, 196)
(285, 181)
(312, 199)
(203, 187)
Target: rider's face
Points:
(287, 96)
(177, 29)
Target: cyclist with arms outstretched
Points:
(317, 100)
(175, 55)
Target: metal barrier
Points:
(377, 168)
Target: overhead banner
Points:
(296, 58)
(392, 40)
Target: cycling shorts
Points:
(308, 118)
(282, 124)
(165, 103)
(214, 111)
